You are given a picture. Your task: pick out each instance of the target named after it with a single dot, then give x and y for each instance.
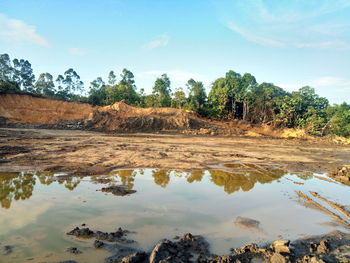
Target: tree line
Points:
(233, 96)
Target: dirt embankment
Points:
(23, 110)
(20, 108)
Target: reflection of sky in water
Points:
(165, 204)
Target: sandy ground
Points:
(83, 153)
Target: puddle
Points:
(230, 206)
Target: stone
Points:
(281, 246)
(278, 258)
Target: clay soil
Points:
(87, 152)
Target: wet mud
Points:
(333, 247)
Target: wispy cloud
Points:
(161, 41)
(17, 31)
(331, 82)
(326, 82)
(76, 51)
(290, 24)
(255, 38)
(335, 45)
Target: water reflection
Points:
(234, 177)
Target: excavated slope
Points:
(22, 108)
(123, 117)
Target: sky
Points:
(291, 43)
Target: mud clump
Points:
(333, 247)
(248, 223)
(117, 236)
(180, 251)
(6, 250)
(119, 190)
(74, 250)
(342, 174)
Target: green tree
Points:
(112, 78)
(45, 85)
(179, 99)
(70, 87)
(97, 93)
(161, 90)
(23, 74)
(197, 96)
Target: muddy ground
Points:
(84, 153)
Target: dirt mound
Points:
(122, 117)
(25, 108)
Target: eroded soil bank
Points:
(89, 153)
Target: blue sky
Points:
(291, 43)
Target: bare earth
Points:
(83, 153)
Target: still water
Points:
(37, 209)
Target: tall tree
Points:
(161, 90)
(23, 74)
(112, 78)
(97, 93)
(179, 99)
(69, 85)
(45, 85)
(197, 96)
(7, 74)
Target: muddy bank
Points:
(90, 153)
(333, 247)
(341, 174)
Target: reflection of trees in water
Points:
(127, 177)
(161, 177)
(15, 186)
(20, 186)
(195, 176)
(246, 181)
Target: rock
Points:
(248, 223)
(81, 232)
(6, 250)
(281, 246)
(323, 247)
(137, 257)
(118, 190)
(278, 258)
(162, 251)
(98, 244)
(117, 236)
(311, 259)
(74, 250)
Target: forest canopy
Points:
(232, 96)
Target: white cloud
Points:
(335, 45)
(161, 41)
(76, 51)
(336, 83)
(331, 82)
(289, 24)
(17, 31)
(255, 38)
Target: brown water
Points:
(37, 210)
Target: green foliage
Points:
(161, 92)
(69, 86)
(197, 98)
(45, 85)
(338, 120)
(233, 96)
(179, 99)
